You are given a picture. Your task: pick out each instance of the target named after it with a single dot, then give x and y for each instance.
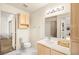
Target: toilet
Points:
(25, 44)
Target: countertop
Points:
(55, 46)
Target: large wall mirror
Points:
(58, 26)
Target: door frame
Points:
(15, 25)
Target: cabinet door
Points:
(27, 18)
(23, 20)
(75, 22)
(53, 52)
(43, 50)
(75, 28)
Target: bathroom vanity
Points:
(45, 47)
(57, 30)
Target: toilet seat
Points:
(27, 44)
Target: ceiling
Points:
(30, 7)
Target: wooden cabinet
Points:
(75, 22)
(23, 22)
(5, 45)
(74, 48)
(75, 28)
(43, 50)
(54, 52)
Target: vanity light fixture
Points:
(54, 10)
(25, 5)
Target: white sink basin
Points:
(52, 40)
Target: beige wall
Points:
(38, 23)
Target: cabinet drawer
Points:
(43, 50)
(53, 52)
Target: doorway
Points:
(51, 27)
(9, 23)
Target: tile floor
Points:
(28, 51)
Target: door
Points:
(74, 28)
